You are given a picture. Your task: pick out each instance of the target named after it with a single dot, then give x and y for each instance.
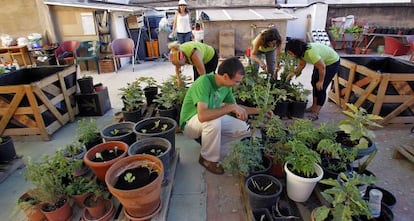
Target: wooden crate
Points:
(226, 44)
(106, 66)
(382, 85)
(35, 102)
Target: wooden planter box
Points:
(382, 85)
(35, 102)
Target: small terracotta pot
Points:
(109, 212)
(100, 168)
(33, 213)
(61, 214)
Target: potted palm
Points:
(133, 98)
(302, 170)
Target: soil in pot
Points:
(143, 176)
(108, 155)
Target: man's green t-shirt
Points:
(204, 89)
(319, 51)
(206, 50)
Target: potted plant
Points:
(246, 155)
(302, 170)
(263, 190)
(171, 97)
(133, 98)
(88, 132)
(354, 131)
(121, 131)
(304, 130)
(7, 150)
(74, 150)
(151, 88)
(344, 198)
(78, 189)
(157, 127)
(155, 146)
(297, 106)
(50, 176)
(30, 206)
(97, 207)
(100, 157)
(136, 182)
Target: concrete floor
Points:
(199, 195)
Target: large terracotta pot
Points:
(141, 202)
(100, 168)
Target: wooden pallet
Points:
(6, 169)
(404, 151)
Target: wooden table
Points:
(14, 51)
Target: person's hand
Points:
(319, 85)
(241, 113)
(290, 76)
(263, 66)
(269, 114)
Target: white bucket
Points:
(299, 188)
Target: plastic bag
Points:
(163, 25)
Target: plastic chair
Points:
(121, 48)
(395, 47)
(88, 50)
(66, 51)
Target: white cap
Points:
(182, 2)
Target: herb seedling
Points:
(129, 177)
(156, 152)
(156, 124)
(98, 156)
(164, 127)
(114, 132)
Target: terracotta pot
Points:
(61, 214)
(33, 212)
(100, 168)
(143, 201)
(99, 210)
(79, 199)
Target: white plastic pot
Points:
(300, 188)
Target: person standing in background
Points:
(182, 23)
(267, 43)
(325, 62)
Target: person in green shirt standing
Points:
(201, 56)
(205, 113)
(326, 64)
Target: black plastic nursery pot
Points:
(263, 199)
(387, 197)
(262, 214)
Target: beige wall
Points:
(243, 32)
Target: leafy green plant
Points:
(301, 160)
(331, 150)
(304, 131)
(129, 177)
(87, 130)
(49, 174)
(80, 186)
(244, 157)
(355, 30)
(275, 129)
(344, 198)
(357, 125)
(335, 32)
(172, 94)
(149, 81)
(299, 92)
(133, 96)
(74, 148)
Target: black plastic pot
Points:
(260, 200)
(282, 109)
(132, 116)
(7, 150)
(150, 93)
(125, 132)
(262, 214)
(86, 85)
(297, 109)
(170, 112)
(145, 145)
